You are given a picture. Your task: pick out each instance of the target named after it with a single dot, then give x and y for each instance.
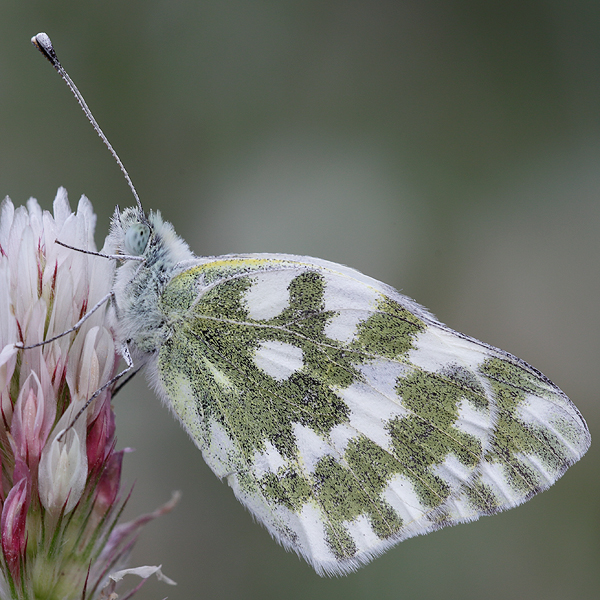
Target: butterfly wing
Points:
(343, 415)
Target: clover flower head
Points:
(59, 477)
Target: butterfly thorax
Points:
(140, 321)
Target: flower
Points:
(59, 475)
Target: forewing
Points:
(343, 415)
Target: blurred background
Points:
(449, 148)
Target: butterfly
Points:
(345, 417)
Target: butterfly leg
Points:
(123, 383)
(127, 357)
(75, 327)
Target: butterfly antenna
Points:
(42, 42)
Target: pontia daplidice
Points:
(345, 417)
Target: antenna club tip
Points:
(42, 42)
(41, 39)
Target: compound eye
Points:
(136, 239)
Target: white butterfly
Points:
(344, 416)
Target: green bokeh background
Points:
(451, 149)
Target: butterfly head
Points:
(134, 233)
(131, 232)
